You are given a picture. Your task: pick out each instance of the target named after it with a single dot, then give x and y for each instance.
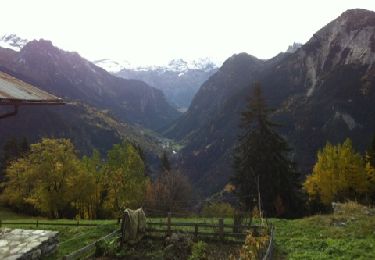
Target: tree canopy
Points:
(339, 174)
(125, 178)
(52, 180)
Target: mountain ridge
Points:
(68, 75)
(320, 93)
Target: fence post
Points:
(221, 228)
(1, 223)
(169, 224)
(37, 223)
(196, 231)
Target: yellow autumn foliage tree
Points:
(339, 174)
(51, 180)
(45, 178)
(125, 178)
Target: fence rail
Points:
(200, 229)
(38, 223)
(89, 250)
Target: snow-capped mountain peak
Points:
(175, 65)
(178, 65)
(12, 41)
(203, 64)
(111, 65)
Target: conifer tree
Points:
(165, 165)
(263, 173)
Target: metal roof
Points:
(16, 92)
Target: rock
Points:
(3, 242)
(36, 254)
(27, 244)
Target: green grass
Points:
(317, 238)
(74, 238)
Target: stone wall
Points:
(27, 244)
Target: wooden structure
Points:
(219, 231)
(15, 92)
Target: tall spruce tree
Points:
(164, 163)
(263, 173)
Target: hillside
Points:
(347, 234)
(86, 126)
(68, 75)
(322, 92)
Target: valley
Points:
(252, 148)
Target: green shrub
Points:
(198, 251)
(218, 209)
(106, 247)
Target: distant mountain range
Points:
(322, 91)
(179, 80)
(101, 108)
(68, 75)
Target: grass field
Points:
(347, 236)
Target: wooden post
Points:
(169, 224)
(196, 231)
(37, 223)
(123, 227)
(221, 229)
(1, 223)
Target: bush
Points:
(255, 246)
(218, 209)
(106, 247)
(350, 208)
(199, 251)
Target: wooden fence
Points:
(217, 230)
(41, 223)
(89, 250)
(268, 254)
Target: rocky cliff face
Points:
(324, 91)
(68, 75)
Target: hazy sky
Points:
(155, 31)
